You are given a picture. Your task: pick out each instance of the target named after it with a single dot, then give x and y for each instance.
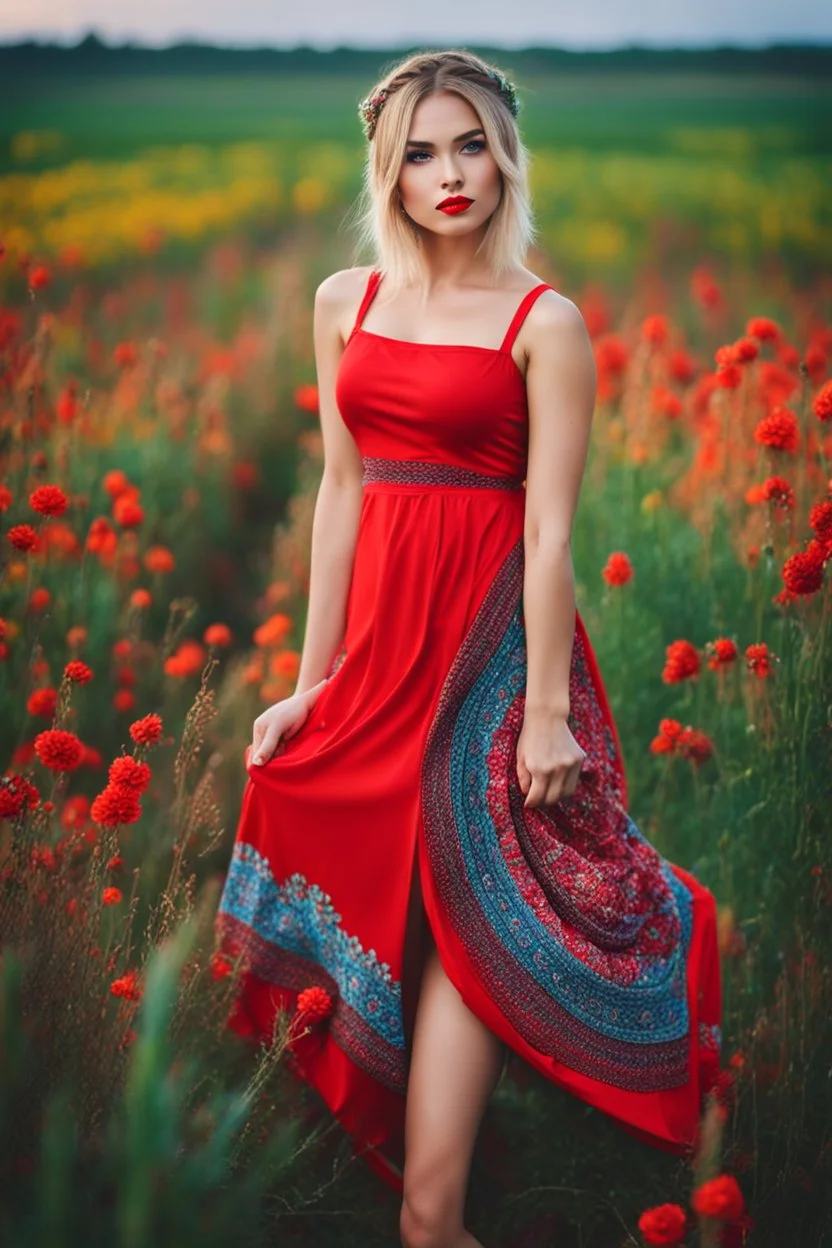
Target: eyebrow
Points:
(469, 134)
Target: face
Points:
(447, 156)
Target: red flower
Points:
(130, 773)
(306, 397)
(5, 498)
(820, 519)
(763, 328)
(695, 745)
(49, 500)
(682, 662)
(314, 1003)
(115, 482)
(655, 330)
(719, 1198)
(115, 805)
(745, 350)
(16, 795)
(721, 652)
(59, 750)
(39, 277)
(779, 430)
(618, 569)
(146, 731)
(127, 986)
(803, 571)
(112, 896)
(125, 354)
(78, 672)
(777, 490)
(42, 702)
(23, 537)
(822, 405)
(217, 635)
(127, 512)
(220, 966)
(124, 700)
(664, 1224)
(186, 660)
(758, 659)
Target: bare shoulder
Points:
(339, 296)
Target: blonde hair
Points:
(383, 228)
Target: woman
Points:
(435, 831)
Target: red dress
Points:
(584, 950)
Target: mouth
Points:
(454, 204)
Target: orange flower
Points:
(758, 659)
(23, 537)
(159, 560)
(273, 630)
(682, 662)
(79, 673)
(115, 805)
(720, 653)
(49, 500)
(663, 1224)
(217, 635)
(314, 1004)
(128, 772)
(822, 405)
(187, 659)
(112, 896)
(285, 663)
(59, 750)
(719, 1198)
(146, 731)
(306, 397)
(42, 702)
(618, 569)
(779, 430)
(115, 482)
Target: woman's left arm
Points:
(561, 384)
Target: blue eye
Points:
(477, 143)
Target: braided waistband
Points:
(420, 472)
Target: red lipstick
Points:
(454, 204)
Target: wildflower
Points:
(822, 405)
(101, 539)
(112, 896)
(745, 350)
(664, 1224)
(79, 673)
(721, 652)
(763, 328)
(758, 659)
(273, 630)
(820, 519)
(217, 635)
(666, 403)
(42, 702)
(5, 498)
(314, 1003)
(655, 330)
(719, 1198)
(220, 966)
(59, 750)
(140, 599)
(682, 662)
(618, 569)
(124, 701)
(306, 398)
(159, 560)
(115, 805)
(39, 277)
(49, 500)
(75, 811)
(778, 491)
(125, 354)
(146, 731)
(779, 430)
(188, 658)
(695, 745)
(803, 571)
(130, 773)
(17, 794)
(705, 288)
(127, 986)
(611, 355)
(285, 663)
(127, 511)
(23, 537)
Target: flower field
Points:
(159, 456)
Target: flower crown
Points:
(370, 107)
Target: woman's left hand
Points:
(549, 759)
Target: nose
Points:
(451, 178)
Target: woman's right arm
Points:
(338, 503)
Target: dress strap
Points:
(369, 294)
(520, 315)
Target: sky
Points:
(390, 23)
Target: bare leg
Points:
(455, 1065)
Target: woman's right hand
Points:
(279, 722)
